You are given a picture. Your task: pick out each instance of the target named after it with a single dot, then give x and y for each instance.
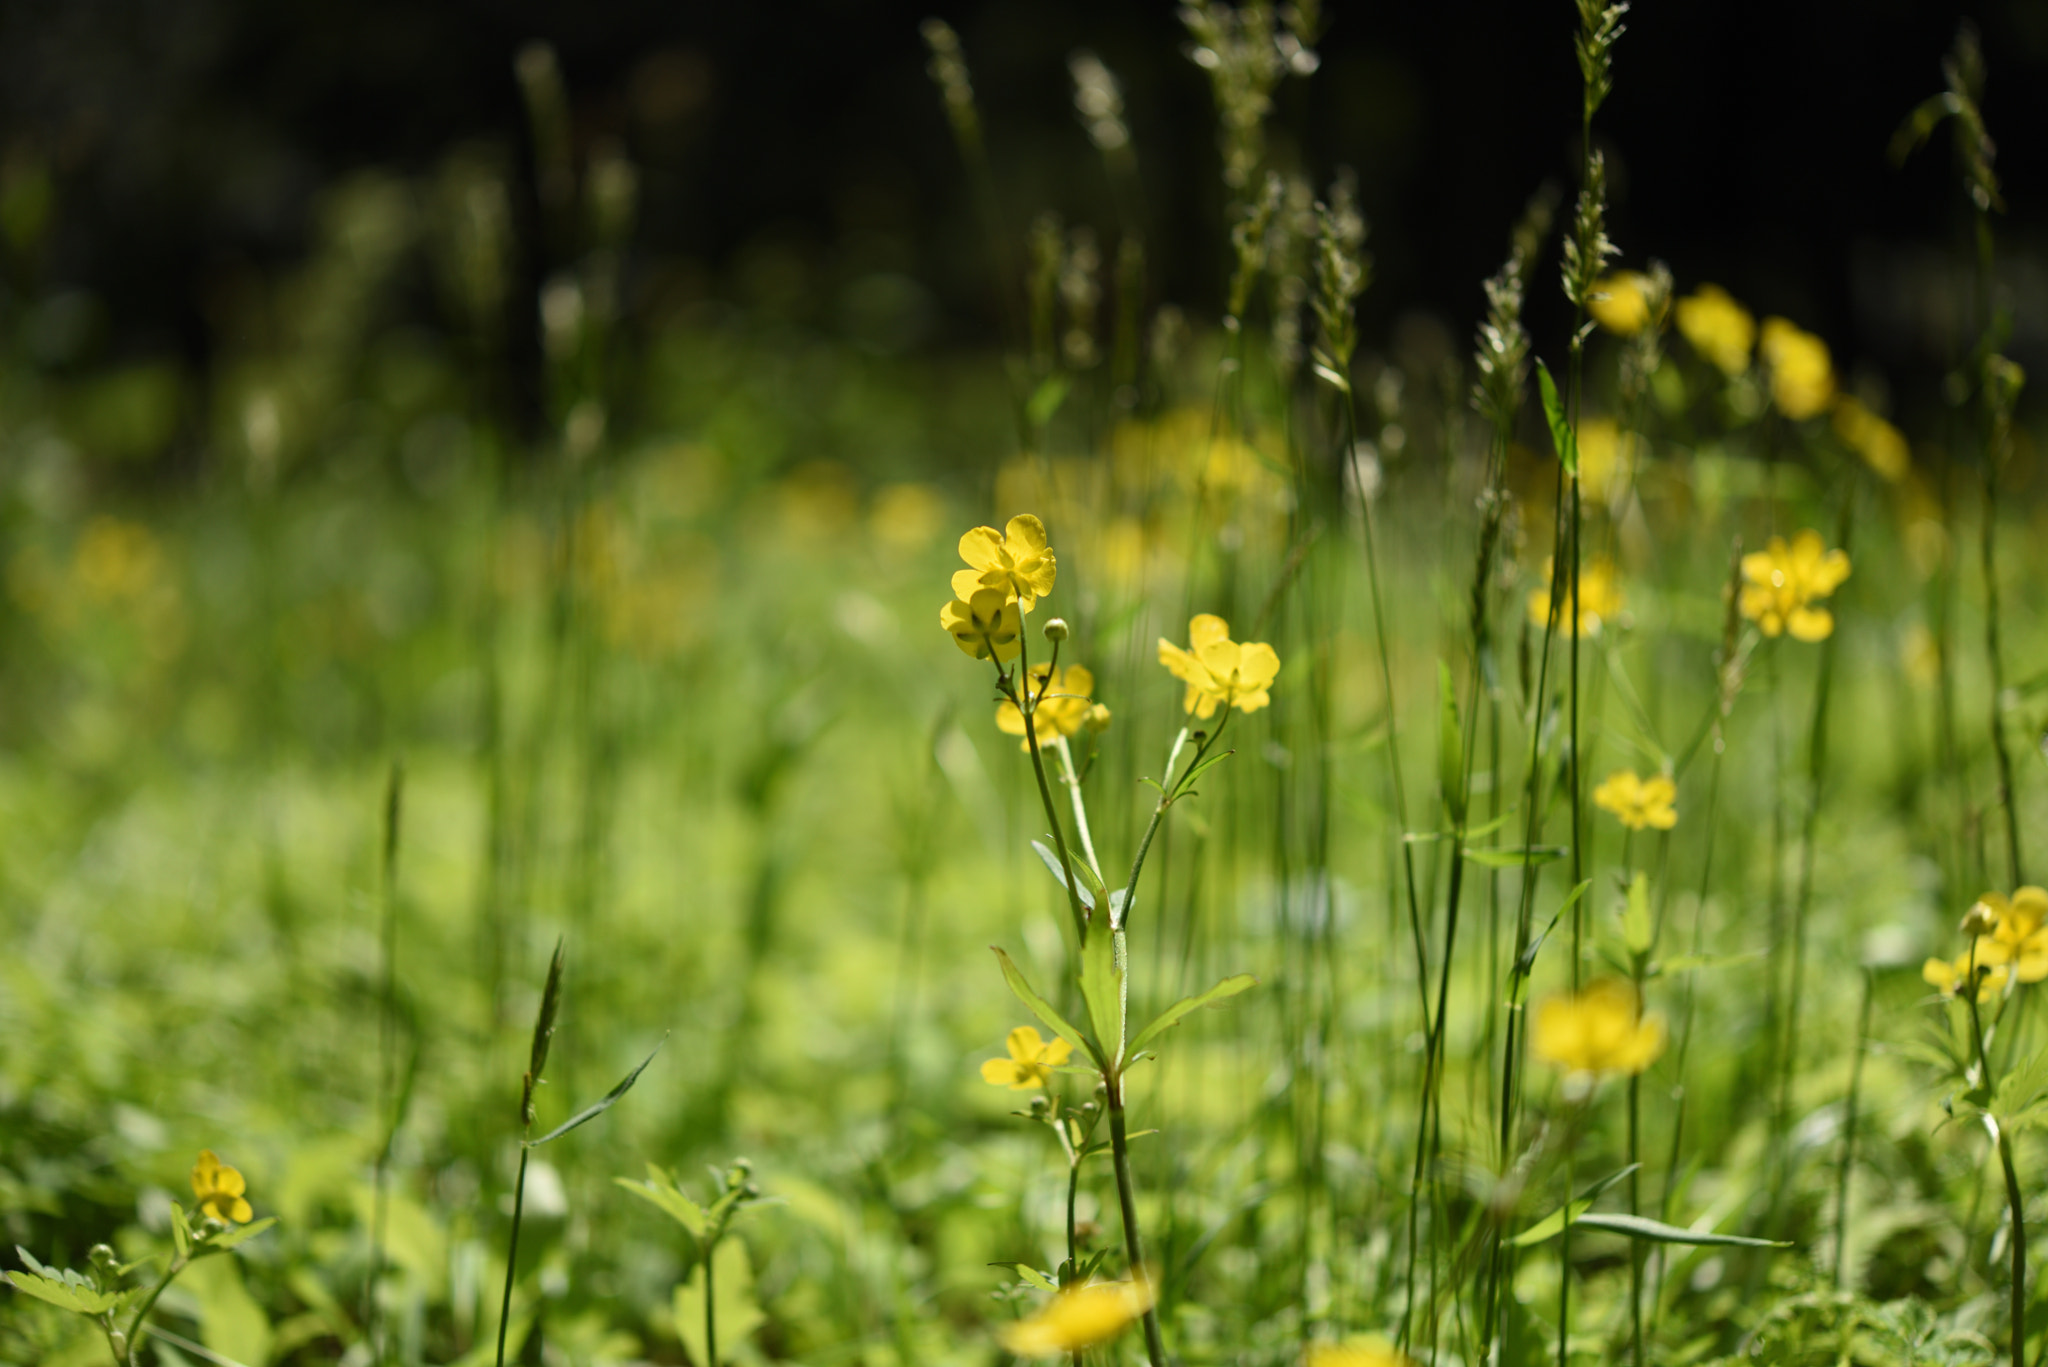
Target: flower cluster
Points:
(1007, 573)
(1781, 583)
(1064, 707)
(2008, 939)
(1599, 597)
(1598, 1032)
(1218, 671)
(1639, 802)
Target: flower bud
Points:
(1979, 920)
(1056, 630)
(102, 1255)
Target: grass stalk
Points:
(387, 1055)
(1849, 1123)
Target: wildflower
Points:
(1602, 1030)
(1618, 303)
(1882, 446)
(984, 623)
(1604, 453)
(1077, 1318)
(1015, 561)
(1781, 584)
(2009, 938)
(1369, 1351)
(1218, 670)
(1030, 1063)
(219, 1189)
(1599, 596)
(1639, 802)
(1802, 375)
(1063, 706)
(1718, 328)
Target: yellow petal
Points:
(965, 582)
(981, 548)
(1056, 1052)
(1810, 624)
(1024, 1044)
(1257, 665)
(1023, 537)
(1206, 628)
(1000, 1072)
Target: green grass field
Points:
(314, 752)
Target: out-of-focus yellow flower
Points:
(116, 559)
(1639, 802)
(1078, 1318)
(1598, 1032)
(1368, 1351)
(1604, 452)
(1219, 671)
(1802, 373)
(1619, 304)
(1882, 446)
(1015, 560)
(219, 1189)
(905, 517)
(1064, 705)
(1030, 1063)
(2009, 939)
(984, 623)
(1781, 584)
(1600, 598)
(1718, 328)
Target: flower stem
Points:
(1026, 705)
(171, 1272)
(512, 1251)
(1849, 1129)
(1127, 1201)
(1071, 777)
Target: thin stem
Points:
(1071, 777)
(387, 1051)
(1127, 1200)
(1027, 705)
(171, 1272)
(710, 1306)
(512, 1251)
(1849, 1129)
(2017, 1204)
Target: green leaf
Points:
(1513, 857)
(659, 1191)
(1551, 1225)
(1450, 745)
(231, 1323)
(1172, 1015)
(1030, 1274)
(1652, 1231)
(235, 1238)
(1561, 435)
(1042, 1009)
(598, 1108)
(1086, 879)
(1196, 771)
(82, 1300)
(1102, 986)
(1636, 929)
(181, 1230)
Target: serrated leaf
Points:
(1041, 1008)
(1102, 984)
(1636, 928)
(1656, 1232)
(81, 1300)
(1553, 413)
(1173, 1015)
(659, 1191)
(1513, 857)
(1450, 745)
(600, 1106)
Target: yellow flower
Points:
(985, 623)
(1030, 1063)
(1219, 671)
(1882, 446)
(1618, 303)
(219, 1189)
(1802, 375)
(1718, 328)
(1781, 584)
(1014, 560)
(1599, 1031)
(1077, 1318)
(1604, 454)
(1369, 1351)
(1639, 802)
(2014, 943)
(1599, 596)
(1063, 705)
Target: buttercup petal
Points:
(1023, 537)
(1810, 624)
(1205, 628)
(1258, 664)
(981, 547)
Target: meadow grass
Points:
(1617, 917)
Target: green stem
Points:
(1127, 1201)
(710, 1306)
(1071, 777)
(1849, 1129)
(1027, 705)
(171, 1272)
(2016, 1201)
(512, 1250)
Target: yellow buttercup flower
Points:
(1802, 373)
(1078, 1318)
(1064, 705)
(1718, 328)
(1781, 584)
(1219, 671)
(1639, 802)
(2009, 938)
(1600, 598)
(1600, 1031)
(1030, 1063)
(1014, 560)
(1368, 1351)
(983, 624)
(1619, 304)
(219, 1189)
(1882, 446)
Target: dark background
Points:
(785, 150)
